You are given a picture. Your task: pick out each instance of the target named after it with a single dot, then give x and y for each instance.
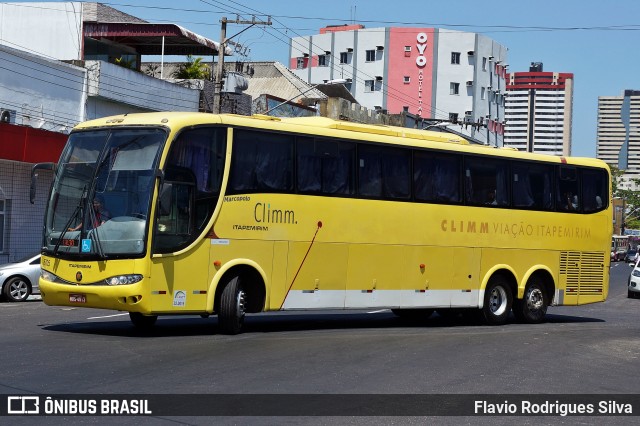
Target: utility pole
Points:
(217, 97)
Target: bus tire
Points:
(497, 301)
(413, 314)
(532, 308)
(143, 322)
(232, 307)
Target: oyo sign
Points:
(421, 61)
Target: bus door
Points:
(181, 280)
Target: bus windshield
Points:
(100, 200)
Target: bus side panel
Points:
(319, 278)
(521, 262)
(277, 287)
(375, 275)
(179, 283)
(254, 253)
(428, 280)
(465, 277)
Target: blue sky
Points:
(597, 41)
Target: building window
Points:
(453, 117)
(454, 88)
(370, 55)
(369, 85)
(343, 57)
(484, 64)
(407, 51)
(407, 79)
(405, 108)
(455, 58)
(483, 93)
(322, 61)
(300, 62)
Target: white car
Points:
(634, 281)
(19, 280)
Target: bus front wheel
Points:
(497, 301)
(232, 307)
(533, 306)
(143, 322)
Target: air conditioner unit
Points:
(470, 53)
(469, 83)
(7, 116)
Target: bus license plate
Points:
(77, 298)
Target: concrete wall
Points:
(134, 89)
(43, 93)
(21, 27)
(24, 221)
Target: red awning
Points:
(146, 39)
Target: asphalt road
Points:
(591, 349)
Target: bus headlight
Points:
(48, 276)
(124, 279)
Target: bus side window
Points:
(568, 192)
(485, 182)
(595, 184)
(262, 162)
(436, 177)
(384, 172)
(324, 166)
(531, 186)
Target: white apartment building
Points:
(433, 73)
(538, 111)
(618, 139)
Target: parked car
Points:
(634, 281)
(618, 255)
(630, 256)
(19, 280)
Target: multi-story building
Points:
(538, 111)
(433, 73)
(618, 140)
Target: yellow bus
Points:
(221, 214)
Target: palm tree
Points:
(193, 69)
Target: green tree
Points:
(193, 69)
(631, 198)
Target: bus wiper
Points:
(71, 218)
(93, 234)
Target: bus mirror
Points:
(165, 199)
(34, 178)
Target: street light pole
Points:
(217, 101)
(217, 95)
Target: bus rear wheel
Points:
(143, 322)
(533, 306)
(232, 307)
(497, 301)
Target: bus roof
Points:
(333, 128)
